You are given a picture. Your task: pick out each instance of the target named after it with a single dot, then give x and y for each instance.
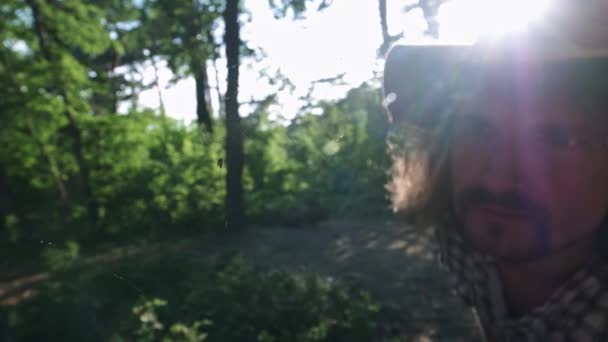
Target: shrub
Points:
(58, 258)
(180, 299)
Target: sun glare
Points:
(465, 21)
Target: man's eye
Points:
(561, 138)
(472, 128)
(556, 137)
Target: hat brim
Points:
(421, 82)
(417, 77)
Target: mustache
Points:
(477, 196)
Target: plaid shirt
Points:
(577, 311)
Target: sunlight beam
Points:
(465, 21)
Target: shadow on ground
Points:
(393, 261)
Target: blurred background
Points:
(193, 170)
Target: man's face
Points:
(528, 177)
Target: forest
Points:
(121, 222)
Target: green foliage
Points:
(76, 24)
(150, 173)
(71, 167)
(151, 329)
(334, 161)
(146, 313)
(276, 305)
(297, 7)
(343, 150)
(181, 31)
(58, 258)
(64, 148)
(47, 91)
(225, 300)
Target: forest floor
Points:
(392, 261)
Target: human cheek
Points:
(579, 203)
(465, 168)
(463, 174)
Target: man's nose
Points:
(502, 163)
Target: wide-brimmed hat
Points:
(565, 53)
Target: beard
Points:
(517, 241)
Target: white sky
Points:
(340, 39)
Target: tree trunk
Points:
(234, 134)
(214, 57)
(218, 92)
(383, 23)
(429, 11)
(73, 129)
(203, 99)
(10, 205)
(159, 92)
(387, 39)
(77, 145)
(63, 193)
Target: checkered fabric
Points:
(578, 311)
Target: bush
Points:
(57, 258)
(151, 329)
(238, 302)
(245, 303)
(225, 300)
(334, 161)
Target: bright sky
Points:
(340, 39)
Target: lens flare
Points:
(465, 21)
